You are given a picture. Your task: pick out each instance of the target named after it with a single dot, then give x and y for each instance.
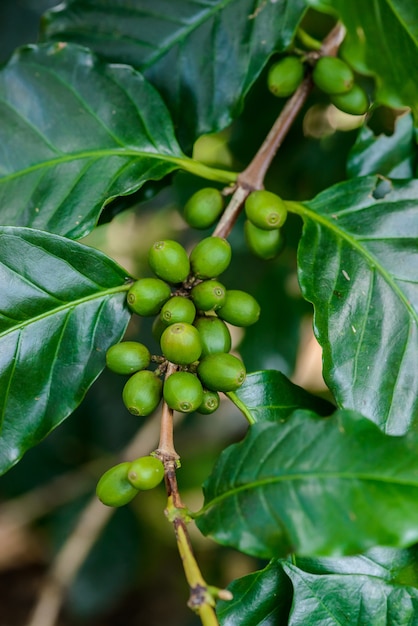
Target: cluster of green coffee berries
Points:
(121, 483)
(331, 74)
(191, 308)
(265, 211)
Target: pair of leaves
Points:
(314, 486)
(356, 590)
(382, 39)
(203, 57)
(62, 306)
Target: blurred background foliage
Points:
(133, 574)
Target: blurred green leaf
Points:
(382, 39)
(202, 56)
(313, 486)
(357, 265)
(270, 396)
(75, 134)
(63, 305)
(337, 599)
(389, 155)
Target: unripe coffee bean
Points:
(240, 308)
(142, 393)
(265, 209)
(114, 488)
(128, 357)
(265, 244)
(178, 309)
(354, 101)
(214, 335)
(208, 295)
(183, 392)
(285, 76)
(210, 402)
(181, 344)
(169, 261)
(147, 296)
(210, 257)
(204, 207)
(333, 75)
(145, 473)
(221, 372)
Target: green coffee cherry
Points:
(114, 488)
(221, 372)
(142, 393)
(354, 102)
(145, 473)
(128, 357)
(183, 392)
(169, 261)
(265, 210)
(210, 402)
(333, 75)
(147, 296)
(210, 257)
(181, 344)
(208, 295)
(204, 207)
(265, 244)
(178, 309)
(240, 308)
(214, 335)
(285, 76)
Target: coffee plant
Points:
(312, 107)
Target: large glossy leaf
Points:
(382, 39)
(270, 396)
(358, 260)
(203, 56)
(332, 600)
(76, 133)
(314, 486)
(259, 599)
(393, 155)
(62, 306)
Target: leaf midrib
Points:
(67, 306)
(363, 477)
(374, 264)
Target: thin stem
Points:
(166, 451)
(252, 177)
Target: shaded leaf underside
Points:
(203, 56)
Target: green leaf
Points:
(62, 306)
(76, 133)
(358, 265)
(314, 486)
(355, 599)
(259, 599)
(382, 39)
(389, 155)
(202, 56)
(270, 396)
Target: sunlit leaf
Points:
(62, 305)
(358, 260)
(314, 486)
